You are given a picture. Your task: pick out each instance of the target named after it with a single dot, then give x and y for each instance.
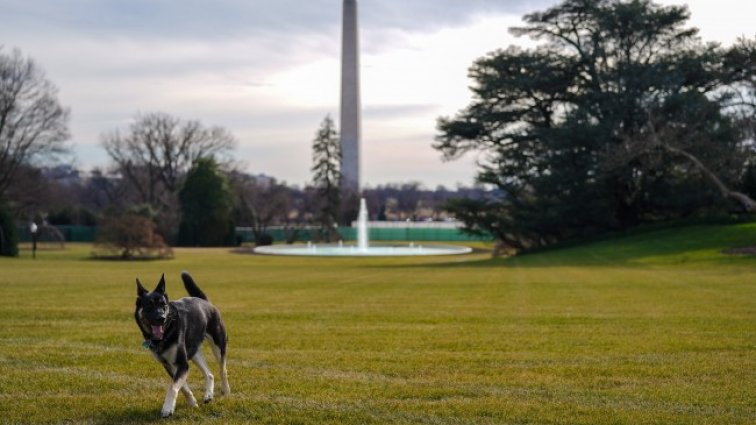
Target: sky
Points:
(269, 71)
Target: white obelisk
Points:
(350, 98)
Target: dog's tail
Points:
(192, 287)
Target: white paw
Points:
(168, 407)
(209, 390)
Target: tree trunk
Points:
(748, 204)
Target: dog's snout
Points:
(159, 316)
(156, 316)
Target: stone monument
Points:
(350, 98)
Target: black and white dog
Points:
(174, 332)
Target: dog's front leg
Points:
(179, 381)
(184, 389)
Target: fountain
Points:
(350, 149)
(362, 229)
(362, 248)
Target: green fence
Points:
(78, 233)
(406, 234)
(244, 234)
(69, 233)
(419, 234)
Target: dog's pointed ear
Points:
(160, 289)
(140, 289)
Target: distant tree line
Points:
(169, 182)
(620, 116)
(72, 197)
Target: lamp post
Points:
(33, 229)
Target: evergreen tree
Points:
(570, 129)
(206, 207)
(326, 157)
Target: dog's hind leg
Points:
(199, 360)
(220, 356)
(225, 388)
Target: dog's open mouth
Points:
(157, 332)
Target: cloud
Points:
(722, 20)
(429, 15)
(206, 19)
(269, 70)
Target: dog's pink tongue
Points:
(157, 332)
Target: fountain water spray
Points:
(362, 228)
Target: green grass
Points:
(650, 329)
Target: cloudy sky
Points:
(268, 71)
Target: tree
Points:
(326, 158)
(261, 204)
(206, 205)
(565, 126)
(33, 125)
(130, 237)
(103, 190)
(8, 234)
(154, 155)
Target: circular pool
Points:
(329, 250)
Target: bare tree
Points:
(155, 153)
(158, 149)
(33, 125)
(261, 204)
(102, 190)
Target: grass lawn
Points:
(650, 329)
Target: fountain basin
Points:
(362, 248)
(328, 250)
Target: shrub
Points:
(130, 237)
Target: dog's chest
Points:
(166, 355)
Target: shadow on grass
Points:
(130, 415)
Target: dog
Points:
(174, 332)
